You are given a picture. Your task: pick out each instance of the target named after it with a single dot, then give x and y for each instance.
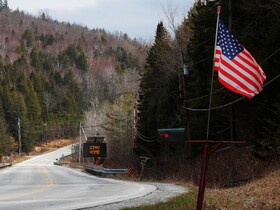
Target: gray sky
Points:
(137, 18)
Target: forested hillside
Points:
(55, 75)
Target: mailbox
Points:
(172, 135)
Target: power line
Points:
(201, 97)
(230, 103)
(270, 55)
(204, 96)
(144, 139)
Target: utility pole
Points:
(120, 131)
(186, 73)
(135, 118)
(19, 138)
(80, 144)
(132, 115)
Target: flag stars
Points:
(230, 46)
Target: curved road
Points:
(38, 184)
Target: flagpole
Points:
(207, 144)
(212, 78)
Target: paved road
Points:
(38, 184)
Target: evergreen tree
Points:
(73, 103)
(28, 37)
(5, 5)
(82, 62)
(17, 110)
(158, 94)
(37, 61)
(6, 145)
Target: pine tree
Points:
(6, 145)
(158, 94)
(5, 6)
(28, 37)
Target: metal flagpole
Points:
(211, 89)
(207, 145)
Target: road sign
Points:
(95, 150)
(130, 171)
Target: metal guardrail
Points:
(104, 171)
(115, 171)
(61, 161)
(4, 165)
(94, 169)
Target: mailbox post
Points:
(143, 163)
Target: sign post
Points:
(143, 163)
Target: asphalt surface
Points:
(39, 184)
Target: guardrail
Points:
(97, 170)
(94, 169)
(61, 161)
(4, 165)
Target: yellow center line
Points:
(30, 192)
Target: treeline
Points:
(53, 76)
(40, 104)
(4, 4)
(168, 99)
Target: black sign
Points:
(95, 150)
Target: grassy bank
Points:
(259, 194)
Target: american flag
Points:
(237, 69)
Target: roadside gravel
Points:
(161, 194)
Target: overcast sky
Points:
(137, 18)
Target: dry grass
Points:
(17, 158)
(50, 145)
(263, 193)
(236, 179)
(43, 148)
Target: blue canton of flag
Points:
(229, 45)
